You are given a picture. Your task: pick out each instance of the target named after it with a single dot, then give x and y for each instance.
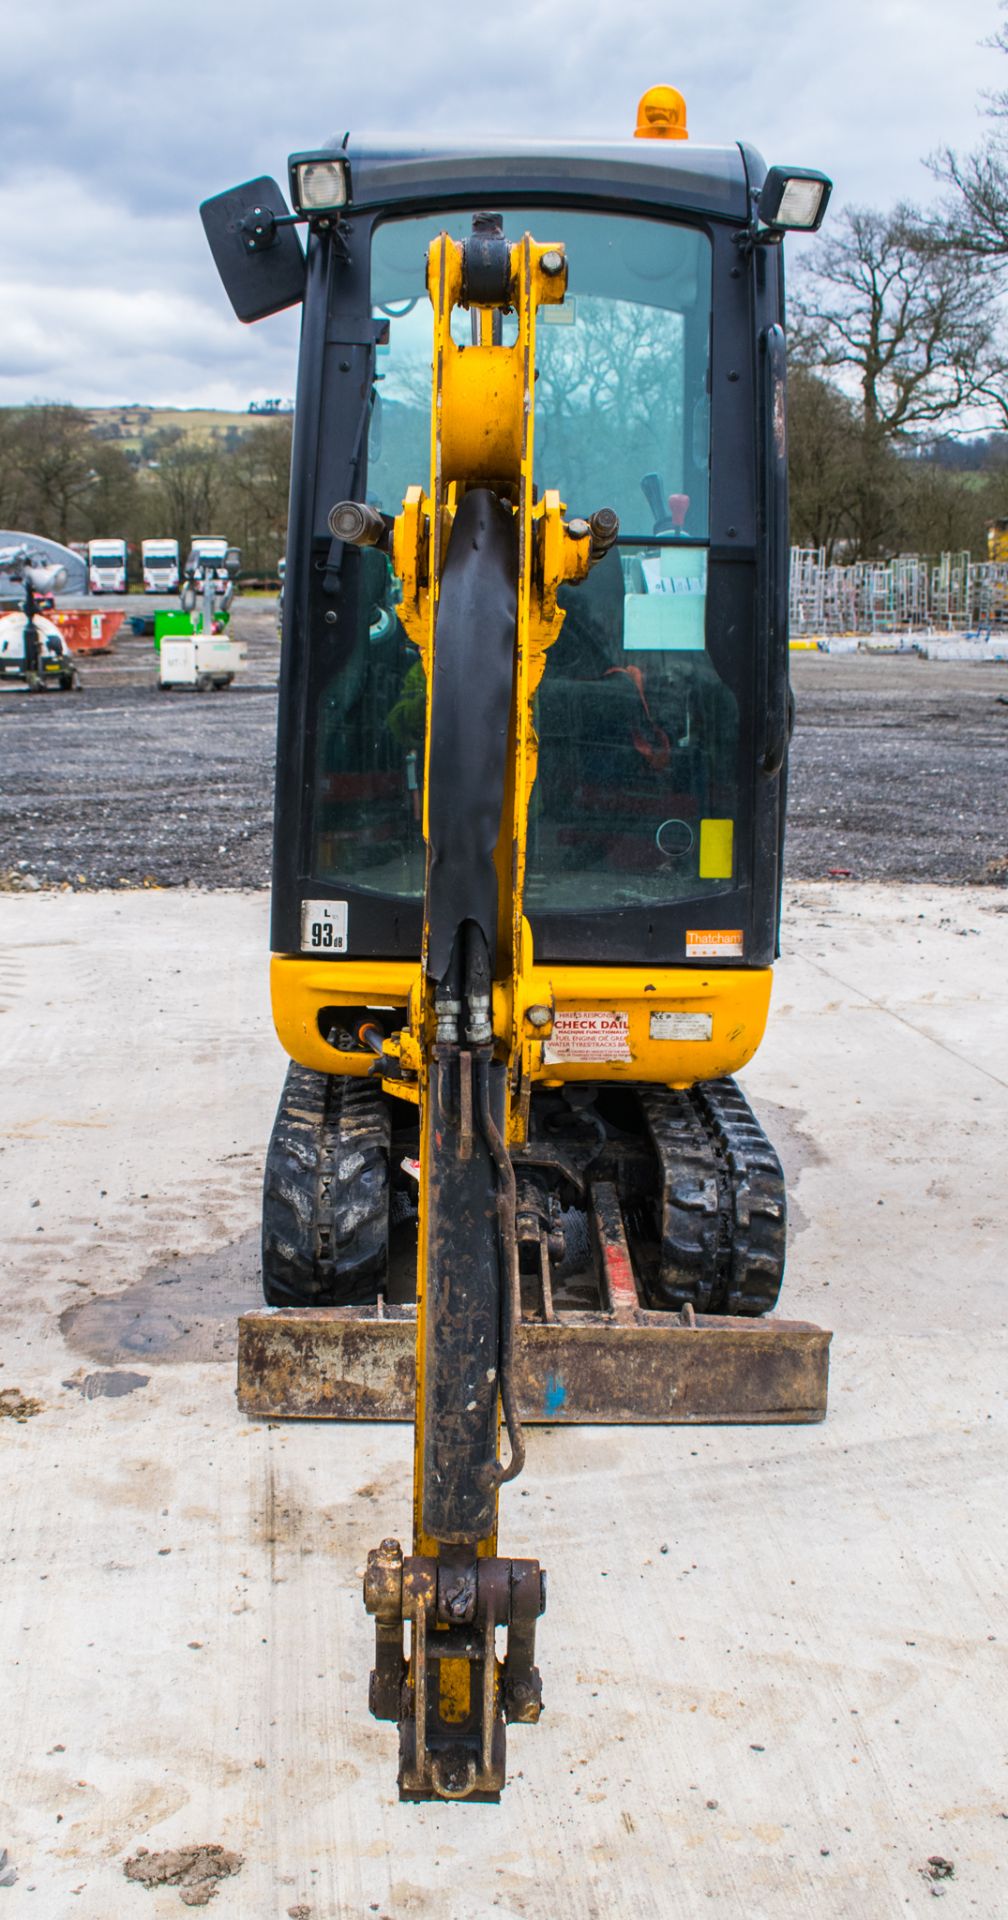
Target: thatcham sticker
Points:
(588, 1036)
(714, 943)
(323, 926)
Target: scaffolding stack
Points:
(897, 599)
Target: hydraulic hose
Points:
(495, 1473)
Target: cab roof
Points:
(386, 169)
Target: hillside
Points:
(127, 427)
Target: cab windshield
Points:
(622, 365)
(635, 799)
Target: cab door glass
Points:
(369, 742)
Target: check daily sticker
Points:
(587, 1036)
(714, 943)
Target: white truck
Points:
(107, 566)
(211, 550)
(160, 562)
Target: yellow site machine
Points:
(533, 733)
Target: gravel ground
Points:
(898, 771)
(120, 784)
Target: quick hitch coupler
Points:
(453, 1698)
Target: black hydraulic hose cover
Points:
(471, 693)
(463, 1307)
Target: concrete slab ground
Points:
(774, 1659)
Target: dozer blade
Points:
(358, 1363)
(624, 1364)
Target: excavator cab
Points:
(531, 771)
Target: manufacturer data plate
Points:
(714, 943)
(323, 926)
(587, 1035)
(682, 1026)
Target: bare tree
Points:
(970, 227)
(933, 511)
(14, 485)
(56, 459)
(256, 486)
(824, 446)
(190, 481)
(110, 503)
(910, 335)
(973, 219)
(899, 317)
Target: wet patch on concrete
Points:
(797, 1149)
(195, 1871)
(187, 1309)
(106, 1386)
(184, 1310)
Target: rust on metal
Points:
(343, 1363)
(354, 1363)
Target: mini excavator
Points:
(533, 731)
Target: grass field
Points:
(133, 424)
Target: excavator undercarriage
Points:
(698, 1188)
(636, 1232)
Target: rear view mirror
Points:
(256, 250)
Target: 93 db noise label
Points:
(323, 926)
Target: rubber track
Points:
(326, 1192)
(724, 1207)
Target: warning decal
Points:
(588, 1036)
(714, 943)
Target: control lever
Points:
(668, 511)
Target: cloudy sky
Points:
(119, 119)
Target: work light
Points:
(794, 197)
(320, 183)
